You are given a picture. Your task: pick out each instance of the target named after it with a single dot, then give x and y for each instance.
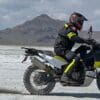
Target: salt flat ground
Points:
(11, 80)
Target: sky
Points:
(15, 12)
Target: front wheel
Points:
(98, 80)
(37, 81)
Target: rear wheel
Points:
(37, 81)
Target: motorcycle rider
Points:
(66, 39)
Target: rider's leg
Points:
(69, 69)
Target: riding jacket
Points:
(66, 39)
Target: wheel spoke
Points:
(33, 82)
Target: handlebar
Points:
(92, 42)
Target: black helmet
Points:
(77, 20)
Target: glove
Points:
(90, 42)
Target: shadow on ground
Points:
(78, 95)
(9, 91)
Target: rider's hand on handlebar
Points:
(90, 41)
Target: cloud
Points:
(60, 16)
(13, 12)
(42, 1)
(97, 12)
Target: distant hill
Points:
(41, 30)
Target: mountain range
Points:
(40, 31)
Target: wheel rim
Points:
(34, 82)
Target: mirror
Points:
(90, 31)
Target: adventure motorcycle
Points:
(40, 77)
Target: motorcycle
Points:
(46, 69)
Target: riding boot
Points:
(64, 77)
(67, 73)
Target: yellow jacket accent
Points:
(71, 34)
(66, 25)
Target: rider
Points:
(66, 39)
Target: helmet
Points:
(77, 20)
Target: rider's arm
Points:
(78, 39)
(75, 38)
